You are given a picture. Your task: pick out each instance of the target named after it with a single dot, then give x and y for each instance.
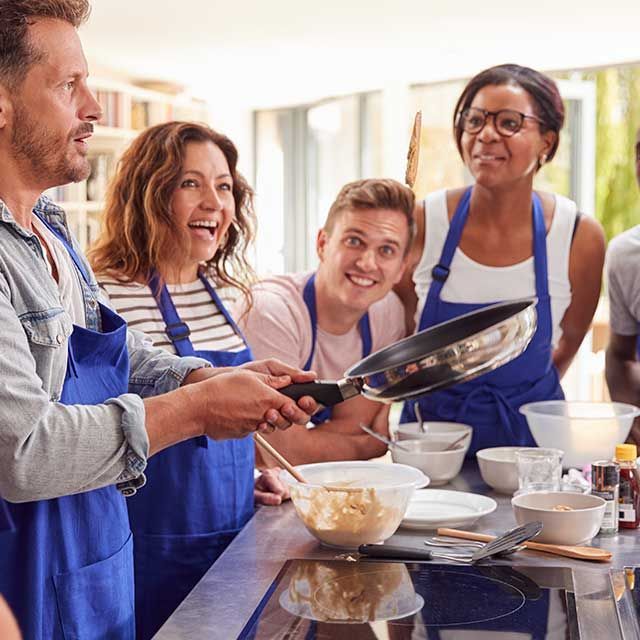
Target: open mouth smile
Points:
(361, 281)
(205, 229)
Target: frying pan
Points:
(439, 357)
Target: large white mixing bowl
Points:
(585, 431)
(346, 504)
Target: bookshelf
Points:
(127, 110)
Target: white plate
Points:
(434, 508)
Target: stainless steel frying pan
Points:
(438, 357)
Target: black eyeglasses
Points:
(506, 121)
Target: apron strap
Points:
(309, 297)
(545, 321)
(177, 330)
(364, 324)
(74, 256)
(221, 307)
(440, 272)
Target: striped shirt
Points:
(210, 330)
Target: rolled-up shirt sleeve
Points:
(49, 449)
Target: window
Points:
(304, 155)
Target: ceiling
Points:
(259, 53)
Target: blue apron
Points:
(198, 495)
(66, 564)
(490, 402)
(309, 297)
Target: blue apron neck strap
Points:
(221, 307)
(440, 272)
(540, 249)
(177, 330)
(71, 251)
(364, 324)
(309, 297)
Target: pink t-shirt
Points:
(278, 326)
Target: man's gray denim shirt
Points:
(48, 449)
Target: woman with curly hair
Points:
(177, 224)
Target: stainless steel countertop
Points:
(222, 602)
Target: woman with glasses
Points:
(500, 239)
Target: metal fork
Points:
(506, 542)
(465, 546)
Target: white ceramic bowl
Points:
(560, 527)
(346, 504)
(585, 431)
(498, 468)
(427, 455)
(450, 430)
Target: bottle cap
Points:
(626, 452)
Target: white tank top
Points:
(472, 282)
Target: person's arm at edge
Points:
(334, 440)
(8, 626)
(586, 262)
(622, 371)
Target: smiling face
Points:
(498, 161)
(49, 117)
(363, 256)
(203, 203)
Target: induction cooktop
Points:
(336, 599)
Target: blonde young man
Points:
(328, 320)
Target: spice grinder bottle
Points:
(605, 478)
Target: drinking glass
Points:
(539, 469)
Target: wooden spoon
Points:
(570, 551)
(296, 474)
(279, 457)
(413, 155)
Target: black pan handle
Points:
(324, 392)
(391, 552)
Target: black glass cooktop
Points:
(335, 599)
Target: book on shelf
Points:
(139, 114)
(112, 111)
